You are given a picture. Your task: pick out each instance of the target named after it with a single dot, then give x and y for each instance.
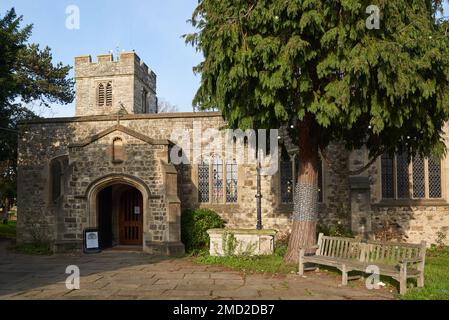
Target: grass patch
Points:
(8, 230)
(436, 277)
(34, 249)
(257, 264)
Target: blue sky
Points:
(153, 28)
(150, 27)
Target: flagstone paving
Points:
(135, 275)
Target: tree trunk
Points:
(305, 212)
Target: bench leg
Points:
(344, 276)
(403, 279)
(402, 286)
(421, 280)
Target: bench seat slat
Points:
(359, 266)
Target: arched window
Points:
(109, 94)
(118, 152)
(101, 95)
(56, 177)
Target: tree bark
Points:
(305, 215)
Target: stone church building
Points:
(109, 168)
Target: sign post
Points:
(91, 241)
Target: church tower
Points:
(107, 86)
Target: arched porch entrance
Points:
(118, 207)
(120, 216)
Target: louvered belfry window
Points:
(101, 94)
(104, 94)
(404, 177)
(109, 94)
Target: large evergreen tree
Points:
(27, 75)
(315, 64)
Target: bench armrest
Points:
(407, 261)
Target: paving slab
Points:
(133, 275)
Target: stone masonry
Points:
(84, 147)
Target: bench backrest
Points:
(391, 253)
(386, 253)
(335, 247)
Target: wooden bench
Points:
(400, 261)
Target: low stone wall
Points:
(227, 242)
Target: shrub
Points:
(335, 231)
(194, 226)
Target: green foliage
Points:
(27, 75)
(272, 62)
(38, 249)
(194, 226)
(8, 230)
(337, 230)
(280, 250)
(229, 243)
(258, 264)
(441, 239)
(438, 251)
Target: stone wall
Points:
(129, 76)
(87, 143)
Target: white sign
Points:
(92, 240)
(136, 210)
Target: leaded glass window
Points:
(387, 177)
(402, 175)
(213, 185)
(217, 180)
(203, 182)
(231, 182)
(419, 189)
(418, 178)
(434, 178)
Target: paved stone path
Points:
(134, 275)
